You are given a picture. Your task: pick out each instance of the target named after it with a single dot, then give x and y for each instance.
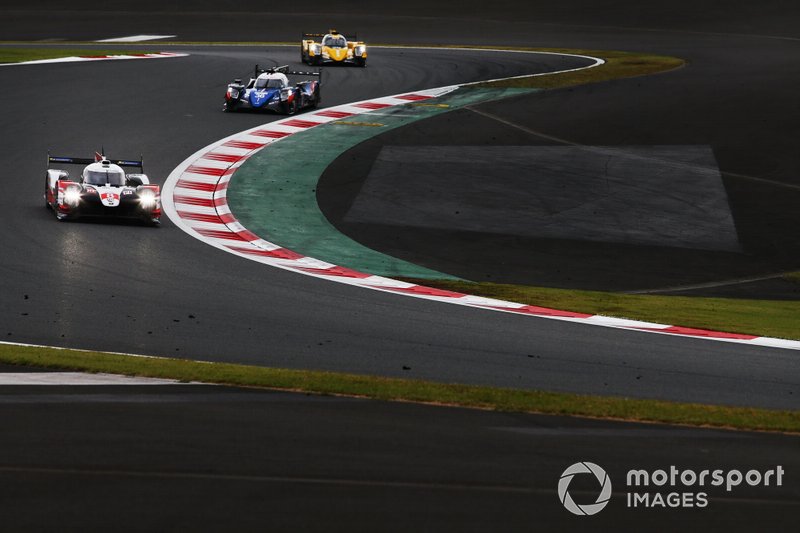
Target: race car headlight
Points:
(72, 196)
(232, 93)
(147, 199)
(316, 49)
(360, 50)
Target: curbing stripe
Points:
(252, 247)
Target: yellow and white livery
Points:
(332, 48)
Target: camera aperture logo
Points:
(586, 509)
(670, 487)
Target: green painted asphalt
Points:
(273, 194)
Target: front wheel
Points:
(315, 100)
(290, 108)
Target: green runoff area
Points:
(395, 389)
(19, 55)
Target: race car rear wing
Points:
(306, 36)
(285, 70)
(89, 160)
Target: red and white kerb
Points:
(195, 199)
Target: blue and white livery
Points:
(271, 90)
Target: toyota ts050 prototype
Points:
(270, 90)
(332, 48)
(103, 189)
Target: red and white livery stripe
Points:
(194, 198)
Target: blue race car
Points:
(270, 90)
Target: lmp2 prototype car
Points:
(332, 48)
(104, 189)
(270, 90)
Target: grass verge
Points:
(19, 55)
(766, 318)
(394, 389)
(794, 277)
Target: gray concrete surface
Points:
(652, 196)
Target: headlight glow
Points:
(147, 199)
(72, 196)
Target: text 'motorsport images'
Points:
(333, 48)
(270, 90)
(103, 189)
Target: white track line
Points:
(79, 59)
(201, 181)
(135, 38)
(79, 378)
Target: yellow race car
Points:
(332, 48)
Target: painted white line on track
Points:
(80, 378)
(26, 345)
(135, 38)
(227, 234)
(79, 59)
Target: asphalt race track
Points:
(205, 458)
(128, 288)
(176, 297)
(78, 278)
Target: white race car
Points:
(103, 189)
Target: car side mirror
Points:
(135, 181)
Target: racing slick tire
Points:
(290, 108)
(316, 98)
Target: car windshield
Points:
(265, 83)
(101, 177)
(334, 42)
